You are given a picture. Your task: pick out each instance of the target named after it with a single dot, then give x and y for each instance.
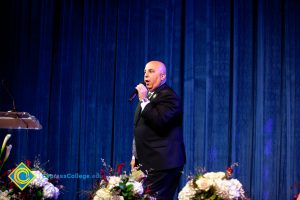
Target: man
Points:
(158, 140)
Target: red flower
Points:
(229, 171)
(11, 185)
(147, 190)
(119, 168)
(5, 174)
(296, 196)
(103, 176)
(28, 162)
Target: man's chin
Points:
(150, 89)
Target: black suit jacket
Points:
(158, 131)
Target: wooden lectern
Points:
(18, 120)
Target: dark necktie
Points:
(150, 95)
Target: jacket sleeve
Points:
(162, 110)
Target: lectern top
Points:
(18, 120)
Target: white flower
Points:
(113, 181)
(4, 195)
(4, 142)
(222, 188)
(214, 175)
(204, 183)
(102, 194)
(229, 189)
(8, 149)
(137, 187)
(50, 191)
(188, 192)
(236, 188)
(40, 180)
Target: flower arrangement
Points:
(40, 188)
(115, 185)
(46, 186)
(213, 186)
(297, 196)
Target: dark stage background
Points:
(73, 64)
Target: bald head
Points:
(159, 65)
(154, 74)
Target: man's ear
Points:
(163, 76)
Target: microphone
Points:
(10, 95)
(134, 94)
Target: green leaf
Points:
(39, 193)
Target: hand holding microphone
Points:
(140, 90)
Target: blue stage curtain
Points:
(74, 63)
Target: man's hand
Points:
(132, 164)
(142, 91)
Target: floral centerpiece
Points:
(213, 186)
(41, 187)
(115, 185)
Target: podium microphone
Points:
(134, 94)
(10, 95)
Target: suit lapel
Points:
(157, 90)
(137, 114)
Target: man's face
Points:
(154, 75)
